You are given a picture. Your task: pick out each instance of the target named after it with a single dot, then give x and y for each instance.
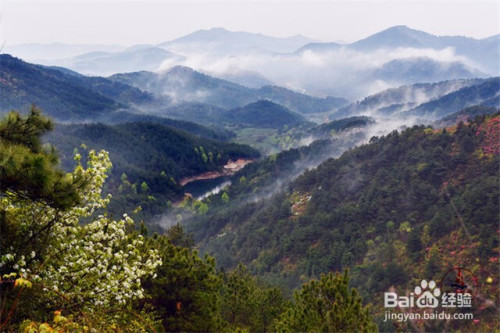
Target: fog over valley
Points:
(249, 166)
(350, 70)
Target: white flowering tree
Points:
(72, 259)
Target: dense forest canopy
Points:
(156, 155)
(67, 267)
(315, 208)
(392, 210)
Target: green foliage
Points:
(263, 114)
(245, 305)
(468, 113)
(144, 187)
(414, 244)
(99, 271)
(62, 96)
(389, 226)
(340, 125)
(327, 305)
(142, 151)
(185, 291)
(92, 269)
(405, 227)
(377, 209)
(27, 168)
(178, 237)
(191, 296)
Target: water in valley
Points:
(200, 189)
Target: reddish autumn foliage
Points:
(491, 131)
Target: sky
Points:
(118, 22)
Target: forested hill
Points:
(404, 207)
(263, 114)
(146, 153)
(61, 94)
(485, 93)
(184, 84)
(214, 133)
(425, 99)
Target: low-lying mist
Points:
(318, 150)
(342, 72)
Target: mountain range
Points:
(426, 100)
(39, 52)
(183, 84)
(371, 187)
(387, 59)
(486, 93)
(61, 94)
(186, 94)
(130, 60)
(227, 43)
(180, 93)
(483, 52)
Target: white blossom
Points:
(84, 262)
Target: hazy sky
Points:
(155, 21)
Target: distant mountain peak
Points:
(399, 28)
(218, 29)
(219, 40)
(179, 69)
(393, 37)
(264, 103)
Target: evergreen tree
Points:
(245, 305)
(185, 290)
(49, 260)
(27, 168)
(327, 305)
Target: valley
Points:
(228, 181)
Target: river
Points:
(200, 189)
(212, 182)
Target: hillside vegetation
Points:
(263, 114)
(405, 206)
(61, 94)
(69, 265)
(148, 159)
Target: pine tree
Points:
(30, 170)
(185, 291)
(327, 305)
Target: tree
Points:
(245, 305)
(144, 187)
(178, 237)
(238, 297)
(30, 170)
(414, 244)
(49, 261)
(185, 291)
(327, 305)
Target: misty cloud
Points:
(341, 72)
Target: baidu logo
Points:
(429, 295)
(427, 298)
(425, 295)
